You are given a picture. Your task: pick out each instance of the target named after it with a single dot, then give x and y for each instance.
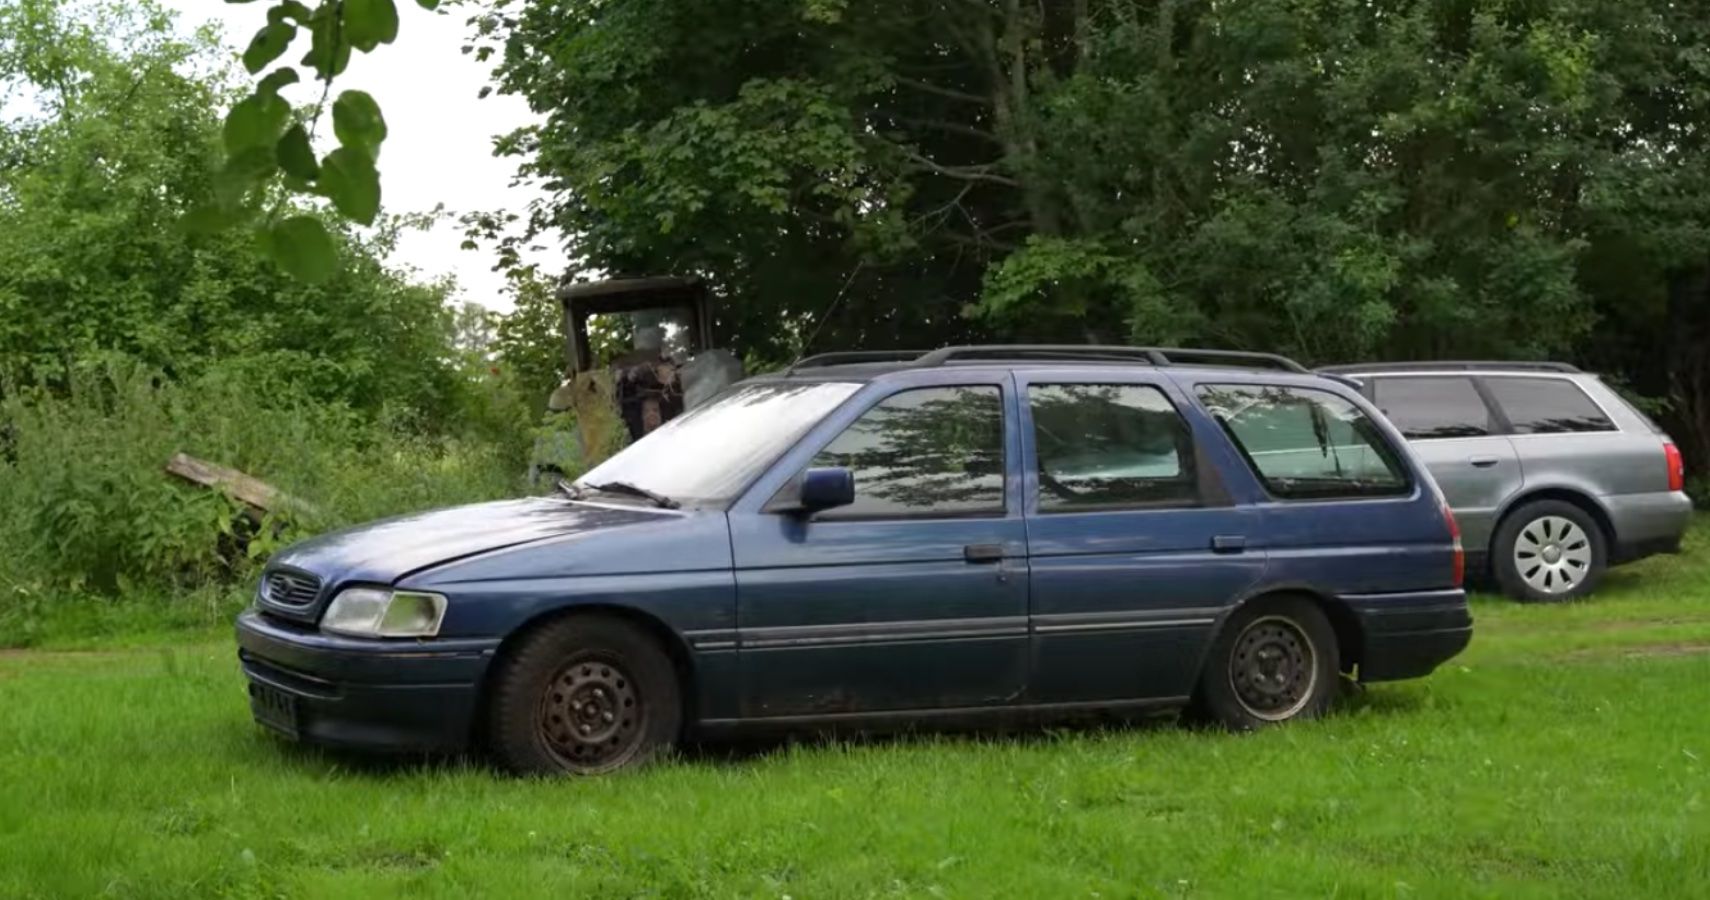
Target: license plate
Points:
(274, 708)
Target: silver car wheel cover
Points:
(1552, 554)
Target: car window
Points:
(928, 451)
(1306, 443)
(1424, 408)
(708, 455)
(1547, 405)
(1109, 445)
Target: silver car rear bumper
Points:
(1646, 524)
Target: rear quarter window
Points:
(1428, 408)
(1547, 405)
(1307, 444)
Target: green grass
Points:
(1567, 753)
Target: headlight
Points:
(379, 612)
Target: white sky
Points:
(439, 143)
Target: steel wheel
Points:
(590, 716)
(1273, 669)
(1552, 554)
(583, 695)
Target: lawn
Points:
(1566, 753)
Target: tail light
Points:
(1676, 468)
(1460, 559)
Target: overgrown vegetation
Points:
(1560, 756)
(88, 516)
(126, 337)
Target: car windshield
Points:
(706, 456)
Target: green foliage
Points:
(302, 247)
(257, 178)
(357, 122)
(370, 23)
(294, 353)
(1335, 180)
(92, 261)
(85, 503)
(350, 179)
(528, 343)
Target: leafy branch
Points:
(268, 143)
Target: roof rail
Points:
(1157, 356)
(1451, 366)
(854, 357)
(1186, 356)
(1062, 352)
(1154, 356)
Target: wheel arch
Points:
(1584, 500)
(1350, 635)
(675, 647)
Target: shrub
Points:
(86, 507)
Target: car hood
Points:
(383, 552)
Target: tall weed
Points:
(86, 507)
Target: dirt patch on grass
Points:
(1666, 650)
(1631, 624)
(26, 653)
(1687, 648)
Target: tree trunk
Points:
(1689, 364)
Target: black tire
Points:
(1274, 661)
(583, 695)
(1520, 553)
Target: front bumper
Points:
(1409, 635)
(395, 696)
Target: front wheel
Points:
(1274, 661)
(583, 695)
(1548, 552)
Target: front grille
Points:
(290, 588)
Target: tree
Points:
(1333, 179)
(122, 142)
(529, 340)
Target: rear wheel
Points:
(1274, 661)
(1548, 551)
(583, 696)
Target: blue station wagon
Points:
(869, 539)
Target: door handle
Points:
(983, 553)
(1229, 543)
(1484, 462)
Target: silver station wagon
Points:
(1552, 475)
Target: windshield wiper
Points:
(624, 487)
(573, 491)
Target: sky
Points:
(439, 144)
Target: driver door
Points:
(915, 596)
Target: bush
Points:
(87, 509)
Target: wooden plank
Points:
(250, 491)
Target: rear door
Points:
(1134, 546)
(1454, 430)
(1341, 509)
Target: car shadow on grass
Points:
(757, 746)
(1354, 701)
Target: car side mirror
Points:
(826, 488)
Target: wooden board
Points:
(250, 491)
